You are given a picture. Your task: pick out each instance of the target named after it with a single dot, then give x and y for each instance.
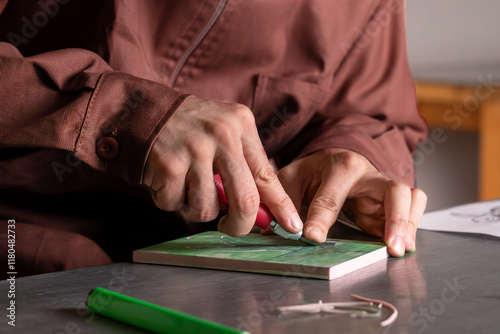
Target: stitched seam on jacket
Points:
(78, 142)
(170, 54)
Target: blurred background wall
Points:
(453, 42)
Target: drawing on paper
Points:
(493, 216)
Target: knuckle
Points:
(282, 202)
(349, 160)
(327, 203)
(201, 215)
(266, 174)
(248, 203)
(175, 169)
(200, 208)
(243, 112)
(209, 215)
(396, 185)
(414, 225)
(225, 133)
(202, 150)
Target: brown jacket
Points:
(76, 75)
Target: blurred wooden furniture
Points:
(472, 109)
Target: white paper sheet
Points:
(480, 217)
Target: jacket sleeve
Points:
(66, 116)
(372, 109)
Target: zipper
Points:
(197, 41)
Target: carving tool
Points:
(264, 217)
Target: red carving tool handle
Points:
(264, 216)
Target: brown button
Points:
(107, 148)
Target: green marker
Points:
(150, 316)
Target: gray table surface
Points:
(450, 285)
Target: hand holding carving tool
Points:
(264, 217)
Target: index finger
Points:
(397, 204)
(271, 192)
(325, 207)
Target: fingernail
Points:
(412, 249)
(297, 222)
(398, 245)
(221, 223)
(315, 234)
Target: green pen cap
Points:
(149, 316)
